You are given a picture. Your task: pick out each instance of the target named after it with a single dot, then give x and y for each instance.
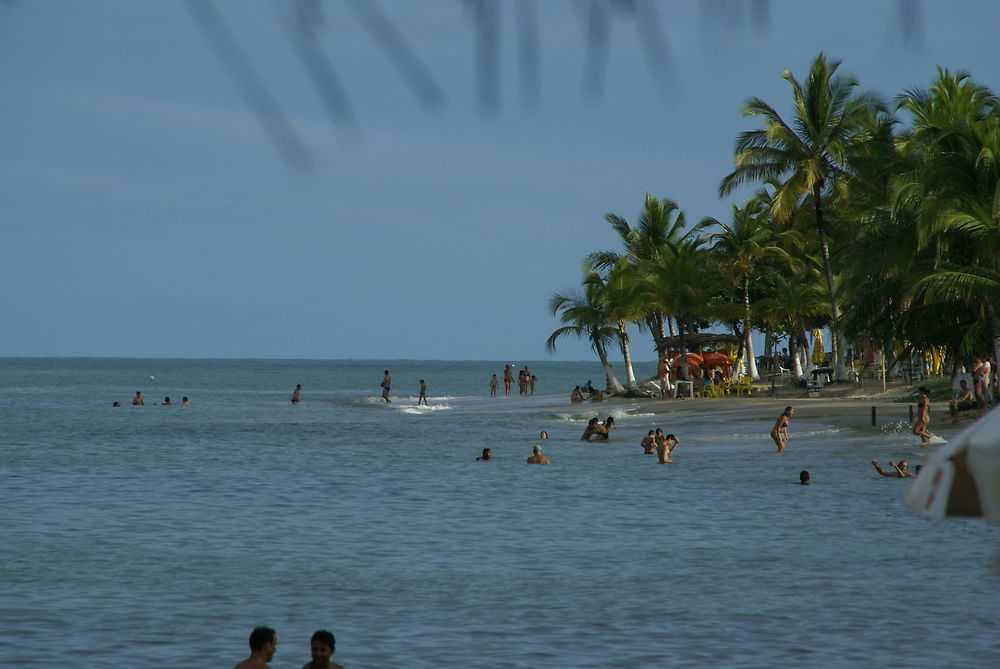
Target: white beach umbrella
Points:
(963, 478)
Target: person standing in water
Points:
(493, 386)
(137, 400)
(386, 383)
(296, 394)
(508, 379)
(263, 644)
(780, 430)
(923, 415)
(537, 458)
(423, 394)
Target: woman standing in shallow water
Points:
(923, 415)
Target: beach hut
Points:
(963, 478)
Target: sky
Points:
(147, 211)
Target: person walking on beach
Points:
(780, 430)
(296, 394)
(386, 383)
(665, 445)
(263, 643)
(493, 386)
(508, 379)
(923, 415)
(900, 471)
(423, 393)
(137, 400)
(322, 646)
(537, 458)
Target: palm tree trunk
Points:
(839, 369)
(613, 386)
(630, 383)
(793, 352)
(751, 361)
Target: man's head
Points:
(487, 454)
(322, 645)
(964, 384)
(804, 477)
(264, 639)
(537, 450)
(903, 464)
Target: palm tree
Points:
(620, 296)
(808, 157)
(683, 284)
(954, 188)
(585, 318)
(741, 246)
(661, 223)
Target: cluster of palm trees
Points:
(886, 232)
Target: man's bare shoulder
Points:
(252, 663)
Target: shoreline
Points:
(845, 404)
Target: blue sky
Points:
(146, 214)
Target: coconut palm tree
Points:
(585, 318)
(808, 157)
(620, 295)
(741, 247)
(683, 284)
(954, 188)
(660, 223)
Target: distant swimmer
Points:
(493, 386)
(116, 404)
(900, 471)
(543, 435)
(576, 395)
(185, 402)
(923, 415)
(137, 400)
(537, 458)
(780, 430)
(487, 455)
(297, 394)
(508, 379)
(648, 443)
(386, 383)
(804, 477)
(595, 429)
(665, 446)
(322, 646)
(166, 402)
(263, 644)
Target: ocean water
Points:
(160, 536)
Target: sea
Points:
(161, 535)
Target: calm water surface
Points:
(159, 536)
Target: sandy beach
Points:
(845, 404)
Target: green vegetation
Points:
(880, 223)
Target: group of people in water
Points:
(138, 401)
(264, 644)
